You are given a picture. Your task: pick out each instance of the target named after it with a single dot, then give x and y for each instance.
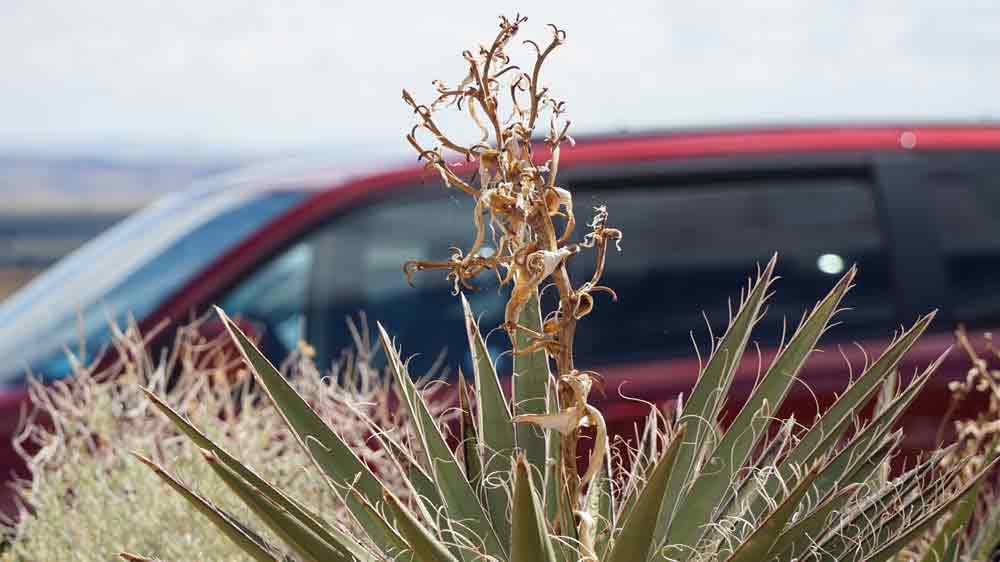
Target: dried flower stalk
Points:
(515, 204)
(977, 437)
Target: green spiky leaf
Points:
(530, 538)
(424, 545)
(637, 538)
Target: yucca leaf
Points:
(416, 480)
(857, 394)
(750, 425)
(987, 534)
(874, 433)
(914, 529)
(530, 540)
(856, 462)
(530, 383)
(470, 441)
(885, 417)
(305, 543)
(755, 547)
(944, 548)
(600, 503)
(744, 490)
(703, 406)
(241, 535)
(341, 465)
(859, 472)
(899, 512)
(306, 516)
(636, 537)
(824, 434)
(425, 546)
(645, 456)
(355, 501)
(841, 536)
(559, 506)
(948, 542)
(461, 501)
(795, 540)
(552, 495)
(493, 424)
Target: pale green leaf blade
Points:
(600, 503)
(493, 423)
(343, 468)
(873, 435)
(754, 417)
(356, 502)
(756, 547)
(424, 545)
(805, 532)
(309, 518)
(530, 384)
(949, 535)
(307, 544)
(461, 501)
(702, 408)
(470, 440)
(421, 482)
(530, 540)
(855, 522)
(987, 535)
(822, 436)
(240, 534)
(637, 538)
(857, 394)
(911, 531)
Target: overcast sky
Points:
(238, 75)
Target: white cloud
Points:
(273, 75)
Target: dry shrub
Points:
(89, 498)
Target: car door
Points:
(944, 211)
(695, 232)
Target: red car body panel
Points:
(659, 381)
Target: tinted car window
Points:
(366, 250)
(688, 247)
(129, 270)
(275, 298)
(967, 215)
(686, 251)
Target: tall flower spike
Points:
(524, 204)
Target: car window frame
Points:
(793, 166)
(671, 171)
(905, 179)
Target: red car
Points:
(917, 208)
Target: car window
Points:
(688, 247)
(686, 251)
(366, 251)
(966, 211)
(127, 271)
(275, 298)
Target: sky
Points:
(239, 76)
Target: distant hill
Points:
(85, 183)
(51, 204)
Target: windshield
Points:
(130, 269)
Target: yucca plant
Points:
(84, 483)
(512, 485)
(972, 531)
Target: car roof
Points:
(341, 166)
(309, 172)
